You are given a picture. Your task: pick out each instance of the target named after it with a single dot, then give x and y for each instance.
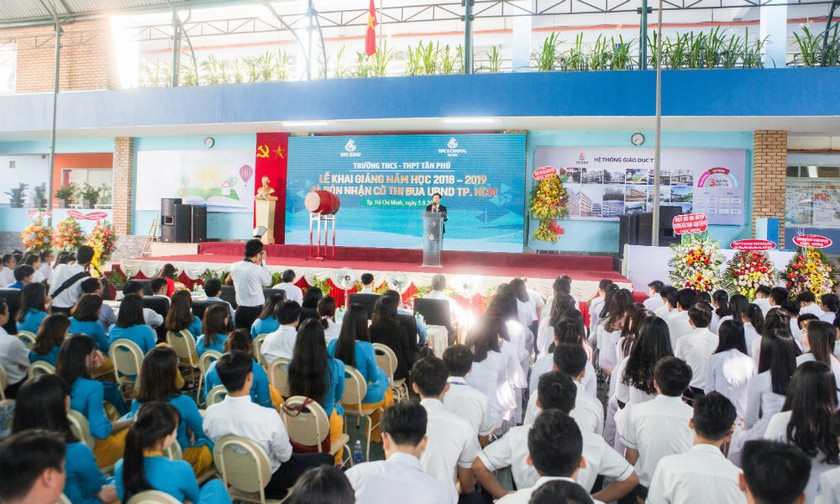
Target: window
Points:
(8, 68)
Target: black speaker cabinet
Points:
(167, 219)
(198, 230)
(183, 221)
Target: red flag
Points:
(370, 36)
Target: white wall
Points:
(30, 169)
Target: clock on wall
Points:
(209, 142)
(637, 139)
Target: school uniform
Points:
(195, 327)
(279, 344)
(141, 334)
(729, 373)
(67, 298)
(698, 476)
(176, 478)
(365, 364)
(332, 332)
(32, 320)
(248, 281)
(827, 317)
(813, 309)
(588, 412)
(545, 363)
(835, 366)
(828, 490)
(401, 479)
(14, 357)
(490, 378)
(94, 330)
(84, 479)
(695, 348)
(451, 444)
(524, 496)
(678, 326)
(469, 404)
(202, 345)
(264, 326)
(763, 303)
(260, 393)
(654, 302)
(217, 299)
(50, 357)
(606, 341)
(87, 397)
(293, 292)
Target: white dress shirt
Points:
(588, 412)
(248, 281)
(536, 301)
(729, 373)
(751, 336)
(332, 331)
(545, 336)
(813, 309)
(545, 363)
(678, 326)
(654, 302)
(601, 460)
(7, 276)
(511, 450)
(279, 344)
(490, 377)
(663, 312)
(451, 443)
(595, 307)
(524, 496)
(656, 429)
(695, 348)
(398, 479)
(239, 416)
(151, 317)
(293, 292)
(763, 303)
(68, 297)
(14, 357)
(827, 316)
(828, 491)
(607, 356)
(761, 398)
(835, 366)
(469, 404)
(698, 476)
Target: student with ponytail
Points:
(720, 302)
(819, 338)
(326, 311)
(144, 466)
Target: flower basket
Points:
(810, 270)
(36, 237)
(696, 263)
(103, 239)
(549, 202)
(68, 235)
(747, 271)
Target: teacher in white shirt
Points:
(249, 276)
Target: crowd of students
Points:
(684, 398)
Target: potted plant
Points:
(90, 195)
(41, 195)
(65, 194)
(16, 196)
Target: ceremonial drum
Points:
(321, 202)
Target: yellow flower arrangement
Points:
(36, 237)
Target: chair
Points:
(216, 395)
(39, 368)
(258, 342)
(409, 325)
(28, 338)
(270, 292)
(127, 359)
(311, 426)
(366, 299)
(387, 360)
(278, 376)
(80, 428)
(4, 382)
(153, 497)
(229, 294)
(244, 467)
(204, 362)
(183, 343)
(355, 389)
(199, 307)
(12, 298)
(160, 306)
(174, 451)
(434, 311)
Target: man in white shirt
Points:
(66, 284)
(452, 445)
(287, 284)
(32, 465)
(702, 474)
(696, 347)
(150, 317)
(280, 344)
(249, 276)
(658, 428)
(778, 295)
(556, 392)
(14, 356)
(807, 303)
(212, 288)
(367, 283)
(400, 477)
(777, 473)
(463, 400)
(654, 300)
(669, 303)
(678, 324)
(238, 416)
(829, 305)
(762, 295)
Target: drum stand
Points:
(329, 250)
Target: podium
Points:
(264, 211)
(432, 227)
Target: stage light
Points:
(259, 231)
(469, 120)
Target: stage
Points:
(483, 270)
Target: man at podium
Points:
(435, 206)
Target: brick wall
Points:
(123, 184)
(769, 172)
(87, 57)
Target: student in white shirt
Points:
(326, 310)
(819, 338)
(596, 306)
(808, 304)
(669, 297)
(14, 356)
(150, 317)
(701, 474)
(696, 347)
(236, 415)
(567, 330)
(64, 297)
(280, 344)
(720, 303)
(400, 477)
(463, 400)
(730, 368)
(489, 370)
(778, 295)
(536, 300)
(762, 294)
(367, 283)
(287, 284)
(754, 326)
(654, 300)
(775, 473)
(806, 420)
(555, 449)
(452, 445)
(658, 428)
(829, 304)
(563, 307)
(249, 276)
(678, 324)
(609, 330)
(212, 288)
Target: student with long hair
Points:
(85, 320)
(569, 330)
(51, 335)
(33, 307)
(489, 369)
(385, 328)
(630, 330)
(829, 304)
(314, 374)
(730, 367)
(77, 359)
(158, 379)
(720, 303)
(354, 349)
(819, 338)
(14, 356)
(753, 320)
(131, 324)
(262, 392)
(596, 305)
(525, 310)
(42, 404)
(168, 274)
(145, 467)
(326, 313)
(514, 344)
(266, 322)
(561, 306)
(609, 330)
(805, 420)
(216, 324)
(180, 315)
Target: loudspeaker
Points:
(627, 231)
(167, 219)
(198, 230)
(183, 218)
(644, 229)
(666, 224)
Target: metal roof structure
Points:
(34, 12)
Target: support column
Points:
(123, 201)
(521, 39)
(769, 174)
(773, 28)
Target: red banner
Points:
(690, 223)
(272, 159)
(752, 245)
(812, 241)
(544, 172)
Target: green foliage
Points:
(67, 192)
(817, 49)
(494, 60)
(546, 57)
(16, 195)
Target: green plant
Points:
(620, 57)
(90, 193)
(379, 61)
(676, 53)
(809, 47)
(281, 66)
(428, 57)
(156, 74)
(67, 192)
(16, 196)
(448, 60)
(362, 68)
(751, 57)
(412, 62)
(494, 60)
(599, 56)
(714, 47)
(546, 58)
(731, 53)
(41, 194)
(341, 70)
(575, 58)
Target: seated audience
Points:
(106, 313)
(322, 485)
(266, 323)
(212, 289)
(150, 316)
(33, 307)
(85, 320)
(23, 276)
(50, 336)
(287, 283)
(216, 327)
(180, 315)
(463, 400)
(730, 368)
(326, 313)
(489, 368)
(309, 306)
(261, 392)
(14, 356)
(167, 274)
(280, 344)
(131, 324)
(385, 328)
(696, 347)
(32, 465)
(775, 473)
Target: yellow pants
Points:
(376, 416)
(336, 430)
(276, 398)
(200, 458)
(109, 450)
(105, 372)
